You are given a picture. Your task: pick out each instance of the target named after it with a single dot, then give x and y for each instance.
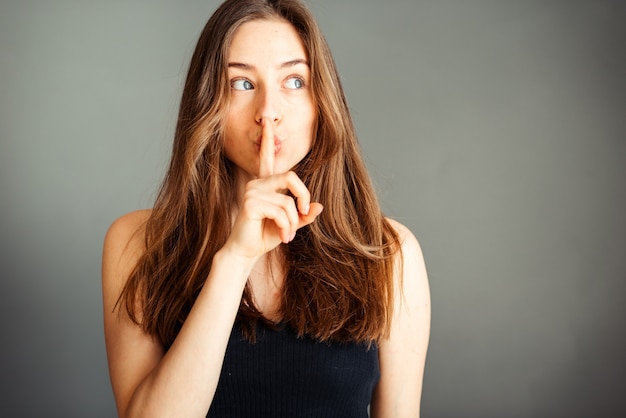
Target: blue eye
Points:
(241, 84)
(294, 83)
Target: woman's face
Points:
(269, 79)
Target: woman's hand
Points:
(267, 215)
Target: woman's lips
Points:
(277, 145)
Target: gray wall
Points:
(496, 130)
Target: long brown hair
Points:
(339, 270)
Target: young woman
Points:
(265, 282)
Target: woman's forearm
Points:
(185, 380)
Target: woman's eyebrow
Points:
(294, 62)
(285, 64)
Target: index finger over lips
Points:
(267, 149)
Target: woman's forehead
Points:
(266, 39)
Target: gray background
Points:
(495, 130)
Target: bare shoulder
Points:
(413, 279)
(127, 231)
(409, 244)
(123, 245)
(128, 224)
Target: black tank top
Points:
(282, 375)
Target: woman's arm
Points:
(403, 354)
(146, 381)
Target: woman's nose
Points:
(268, 105)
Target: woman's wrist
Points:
(232, 264)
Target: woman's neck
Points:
(266, 283)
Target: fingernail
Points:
(293, 235)
(321, 208)
(306, 209)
